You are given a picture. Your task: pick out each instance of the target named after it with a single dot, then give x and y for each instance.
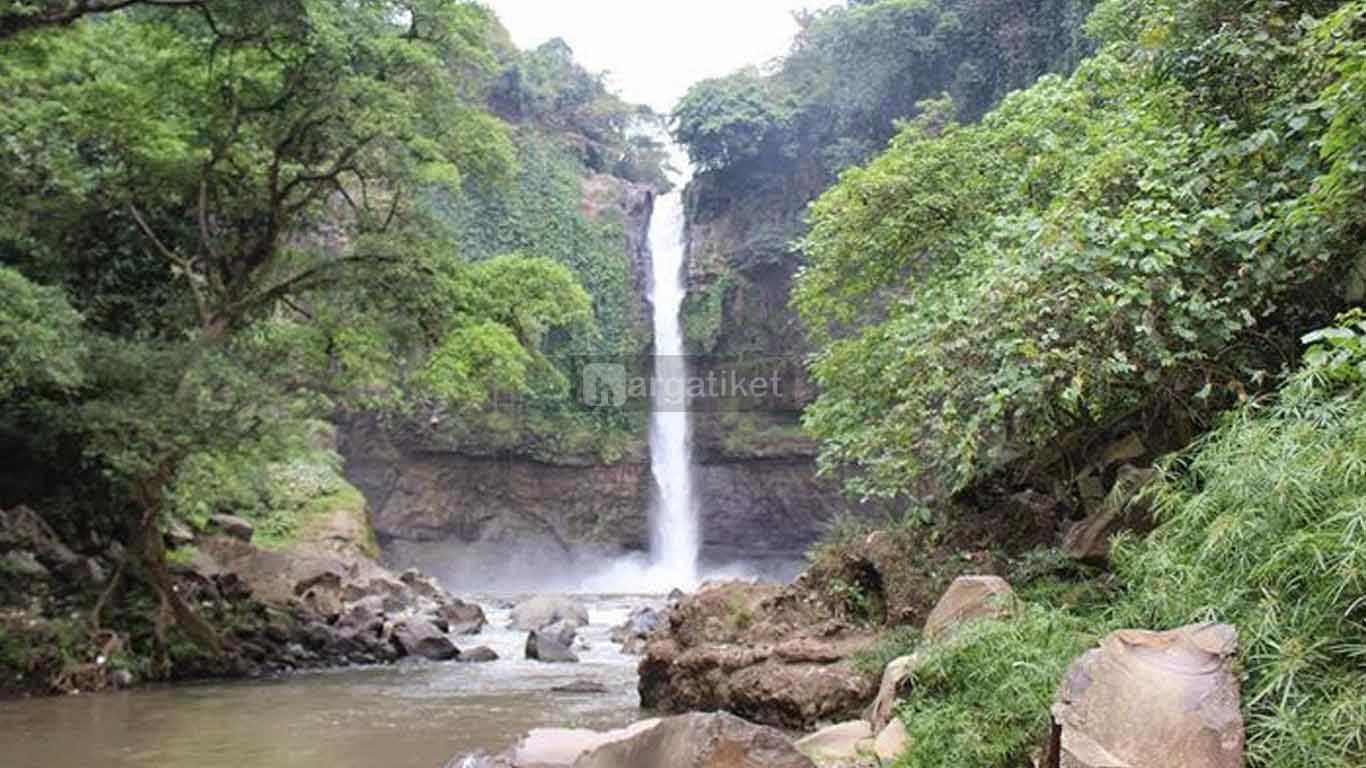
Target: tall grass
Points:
(1263, 525)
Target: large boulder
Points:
(969, 598)
(423, 639)
(549, 649)
(542, 611)
(838, 745)
(633, 634)
(895, 679)
(464, 618)
(774, 655)
(699, 741)
(1152, 700)
(564, 632)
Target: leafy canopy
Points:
(235, 197)
(1100, 248)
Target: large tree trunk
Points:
(147, 548)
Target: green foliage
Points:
(727, 120)
(41, 342)
(1098, 247)
(547, 87)
(236, 202)
(854, 69)
(703, 313)
(890, 646)
(1338, 353)
(983, 697)
(1263, 527)
(540, 213)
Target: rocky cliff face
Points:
(517, 523)
(476, 511)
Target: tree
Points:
(39, 337)
(255, 175)
(726, 120)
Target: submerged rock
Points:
(561, 747)
(481, 655)
(580, 686)
(1152, 700)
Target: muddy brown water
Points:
(411, 716)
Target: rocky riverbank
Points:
(1181, 685)
(319, 600)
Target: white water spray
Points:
(674, 536)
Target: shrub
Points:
(1136, 241)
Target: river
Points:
(409, 716)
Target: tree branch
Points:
(185, 265)
(60, 14)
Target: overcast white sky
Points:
(655, 49)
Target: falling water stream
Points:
(675, 539)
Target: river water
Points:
(411, 716)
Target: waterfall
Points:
(674, 536)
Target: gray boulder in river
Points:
(422, 638)
(545, 647)
(542, 611)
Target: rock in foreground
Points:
(1153, 700)
(699, 741)
(774, 655)
(969, 598)
(839, 745)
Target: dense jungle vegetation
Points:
(1137, 244)
(223, 223)
(1018, 234)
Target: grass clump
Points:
(1264, 527)
(982, 699)
(1262, 524)
(892, 645)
